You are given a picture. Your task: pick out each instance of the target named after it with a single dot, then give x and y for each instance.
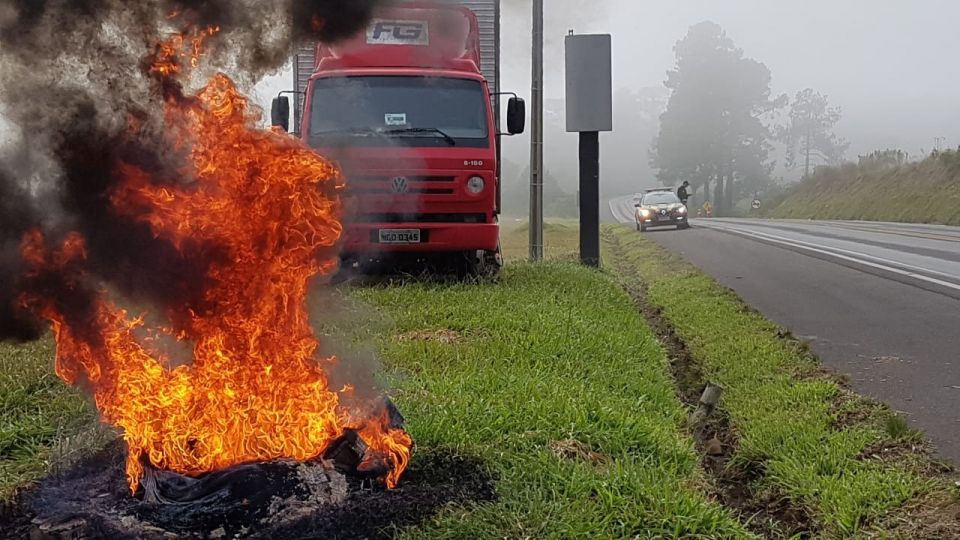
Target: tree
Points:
(713, 130)
(810, 131)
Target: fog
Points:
(890, 66)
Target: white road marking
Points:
(879, 263)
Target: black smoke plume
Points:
(72, 79)
(16, 217)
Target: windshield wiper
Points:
(437, 131)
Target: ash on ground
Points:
(279, 499)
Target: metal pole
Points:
(590, 198)
(536, 137)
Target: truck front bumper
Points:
(434, 237)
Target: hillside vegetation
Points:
(879, 188)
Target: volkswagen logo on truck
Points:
(385, 32)
(401, 185)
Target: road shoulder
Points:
(851, 462)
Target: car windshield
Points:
(660, 198)
(416, 111)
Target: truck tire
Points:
(479, 265)
(491, 262)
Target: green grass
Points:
(38, 413)
(781, 406)
(560, 238)
(898, 429)
(923, 192)
(553, 352)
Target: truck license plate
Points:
(399, 236)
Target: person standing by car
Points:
(683, 194)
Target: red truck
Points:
(406, 110)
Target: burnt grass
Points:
(734, 484)
(434, 480)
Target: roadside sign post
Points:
(589, 97)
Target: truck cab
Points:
(408, 115)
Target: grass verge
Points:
(552, 378)
(800, 433)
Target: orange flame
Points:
(169, 56)
(255, 390)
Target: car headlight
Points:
(475, 185)
(682, 209)
(644, 212)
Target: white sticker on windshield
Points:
(395, 119)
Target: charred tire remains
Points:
(282, 499)
(318, 498)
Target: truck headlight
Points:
(475, 185)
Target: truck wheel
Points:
(491, 262)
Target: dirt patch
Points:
(933, 516)
(916, 455)
(850, 410)
(444, 336)
(433, 481)
(575, 450)
(927, 518)
(890, 451)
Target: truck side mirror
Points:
(516, 116)
(280, 112)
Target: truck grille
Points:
(396, 217)
(401, 185)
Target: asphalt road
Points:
(877, 301)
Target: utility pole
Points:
(536, 137)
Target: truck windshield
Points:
(416, 111)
